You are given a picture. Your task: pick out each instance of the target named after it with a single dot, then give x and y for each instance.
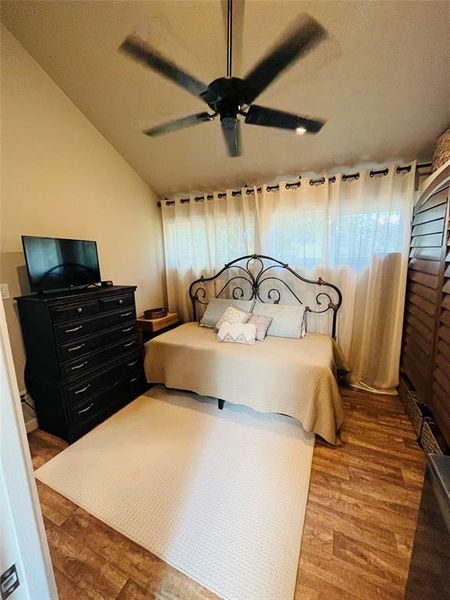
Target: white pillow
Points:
(233, 315)
(287, 320)
(217, 306)
(240, 333)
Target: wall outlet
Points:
(4, 289)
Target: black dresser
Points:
(84, 356)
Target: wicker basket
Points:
(431, 438)
(441, 152)
(415, 410)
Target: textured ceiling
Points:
(381, 81)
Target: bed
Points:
(295, 377)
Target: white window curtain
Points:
(353, 233)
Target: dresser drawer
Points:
(86, 409)
(117, 301)
(99, 358)
(90, 386)
(98, 340)
(68, 313)
(78, 329)
(84, 415)
(126, 334)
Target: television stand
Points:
(84, 356)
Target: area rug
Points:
(219, 495)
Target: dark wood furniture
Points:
(84, 356)
(425, 363)
(429, 577)
(150, 328)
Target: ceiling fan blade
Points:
(269, 117)
(231, 129)
(304, 36)
(144, 53)
(178, 124)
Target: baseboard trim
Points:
(31, 425)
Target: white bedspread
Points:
(280, 375)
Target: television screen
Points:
(59, 263)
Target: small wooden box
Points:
(155, 313)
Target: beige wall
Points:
(60, 177)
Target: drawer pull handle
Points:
(133, 379)
(74, 348)
(86, 387)
(129, 344)
(75, 367)
(127, 314)
(83, 410)
(127, 329)
(79, 309)
(74, 329)
(121, 301)
(131, 364)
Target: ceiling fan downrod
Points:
(229, 37)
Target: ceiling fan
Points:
(231, 97)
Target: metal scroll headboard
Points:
(248, 276)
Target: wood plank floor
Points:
(359, 525)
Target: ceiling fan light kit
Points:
(232, 97)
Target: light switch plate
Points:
(4, 289)
(9, 582)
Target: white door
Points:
(22, 537)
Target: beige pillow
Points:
(233, 315)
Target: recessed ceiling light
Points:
(300, 130)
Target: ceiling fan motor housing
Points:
(226, 96)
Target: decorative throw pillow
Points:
(287, 320)
(233, 315)
(217, 306)
(262, 325)
(240, 333)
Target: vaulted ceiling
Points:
(381, 81)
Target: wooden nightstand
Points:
(150, 328)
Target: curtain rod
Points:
(297, 184)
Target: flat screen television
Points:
(54, 263)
